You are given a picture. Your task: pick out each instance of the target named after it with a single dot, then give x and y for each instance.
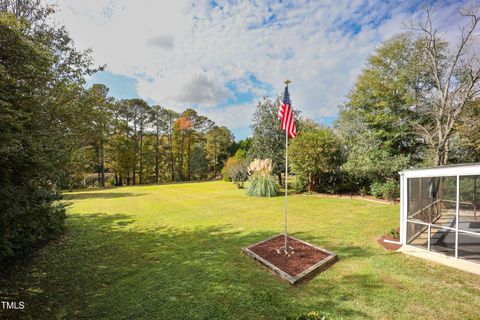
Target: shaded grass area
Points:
(173, 252)
(102, 195)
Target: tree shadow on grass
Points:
(100, 195)
(341, 250)
(107, 269)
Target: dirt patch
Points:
(354, 196)
(302, 256)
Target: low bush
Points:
(262, 186)
(376, 189)
(225, 175)
(235, 170)
(387, 190)
(394, 233)
(300, 183)
(226, 168)
(391, 190)
(239, 173)
(31, 221)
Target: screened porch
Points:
(441, 210)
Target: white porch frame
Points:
(457, 171)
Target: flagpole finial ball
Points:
(287, 82)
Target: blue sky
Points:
(222, 57)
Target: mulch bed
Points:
(387, 245)
(304, 259)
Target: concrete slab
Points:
(460, 264)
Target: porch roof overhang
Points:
(443, 171)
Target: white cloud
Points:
(162, 41)
(233, 116)
(191, 86)
(185, 54)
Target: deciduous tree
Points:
(218, 141)
(315, 154)
(268, 139)
(455, 69)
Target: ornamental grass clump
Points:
(261, 182)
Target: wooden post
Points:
(430, 198)
(420, 196)
(440, 195)
(475, 197)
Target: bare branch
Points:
(463, 42)
(424, 133)
(456, 77)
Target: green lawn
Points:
(173, 252)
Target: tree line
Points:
(128, 142)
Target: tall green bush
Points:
(268, 139)
(40, 74)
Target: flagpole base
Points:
(307, 261)
(287, 252)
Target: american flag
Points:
(286, 115)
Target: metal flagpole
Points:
(286, 183)
(286, 189)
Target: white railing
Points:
(442, 227)
(429, 227)
(444, 200)
(425, 208)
